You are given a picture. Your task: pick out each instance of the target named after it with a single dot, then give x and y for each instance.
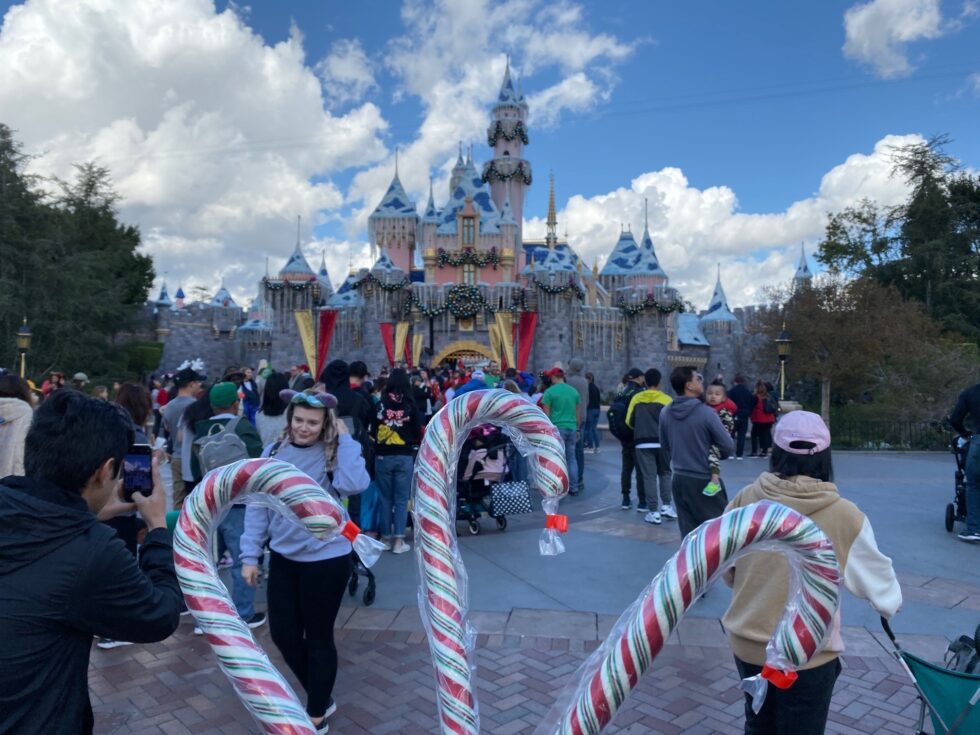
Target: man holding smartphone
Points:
(66, 577)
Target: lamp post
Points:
(23, 345)
(783, 345)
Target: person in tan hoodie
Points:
(800, 477)
(16, 413)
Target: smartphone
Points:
(137, 473)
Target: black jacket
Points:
(65, 577)
(351, 402)
(968, 404)
(742, 397)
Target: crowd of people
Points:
(356, 433)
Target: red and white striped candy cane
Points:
(610, 674)
(443, 596)
(263, 690)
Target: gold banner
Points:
(416, 349)
(304, 322)
(494, 334)
(401, 337)
(505, 330)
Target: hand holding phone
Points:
(137, 472)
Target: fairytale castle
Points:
(460, 282)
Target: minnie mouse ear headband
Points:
(309, 398)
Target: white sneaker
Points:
(106, 643)
(653, 517)
(386, 543)
(400, 546)
(667, 511)
(197, 630)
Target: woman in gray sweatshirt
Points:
(307, 576)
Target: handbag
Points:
(510, 498)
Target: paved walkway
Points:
(540, 618)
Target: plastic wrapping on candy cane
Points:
(443, 591)
(281, 487)
(605, 680)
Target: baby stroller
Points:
(949, 696)
(956, 511)
(483, 462)
(354, 510)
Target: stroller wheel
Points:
(352, 585)
(369, 593)
(950, 516)
(502, 523)
(474, 528)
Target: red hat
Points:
(553, 372)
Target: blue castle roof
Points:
(623, 258)
(718, 310)
(395, 202)
(470, 185)
(647, 264)
(689, 331)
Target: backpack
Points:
(616, 416)
(220, 446)
(769, 405)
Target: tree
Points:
(68, 265)
(928, 248)
(844, 332)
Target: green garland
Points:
(492, 173)
(649, 303)
(464, 302)
(389, 287)
(555, 290)
(272, 285)
(468, 255)
(497, 131)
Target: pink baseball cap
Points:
(801, 426)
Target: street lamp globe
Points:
(23, 337)
(783, 344)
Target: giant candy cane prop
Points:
(442, 594)
(614, 670)
(260, 686)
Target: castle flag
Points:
(304, 323)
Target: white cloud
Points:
(215, 139)
(694, 229)
(878, 32)
(347, 73)
(450, 58)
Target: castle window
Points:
(469, 274)
(469, 230)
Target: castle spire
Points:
(803, 273)
(552, 237)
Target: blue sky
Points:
(743, 123)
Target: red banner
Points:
(525, 333)
(328, 320)
(388, 337)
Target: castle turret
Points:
(297, 268)
(551, 238)
(507, 135)
(163, 300)
(323, 278)
(718, 317)
(803, 275)
(393, 225)
(620, 262)
(647, 269)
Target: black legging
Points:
(761, 438)
(304, 598)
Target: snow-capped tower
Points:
(507, 135)
(297, 268)
(323, 278)
(803, 275)
(163, 300)
(393, 225)
(647, 268)
(718, 317)
(458, 170)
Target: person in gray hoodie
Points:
(307, 576)
(576, 379)
(688, 428)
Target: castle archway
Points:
(465, 350)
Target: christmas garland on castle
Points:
(649, 302)
(468, 256)
(499, 130)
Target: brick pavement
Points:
(386, 682)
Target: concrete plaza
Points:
(539, 618)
